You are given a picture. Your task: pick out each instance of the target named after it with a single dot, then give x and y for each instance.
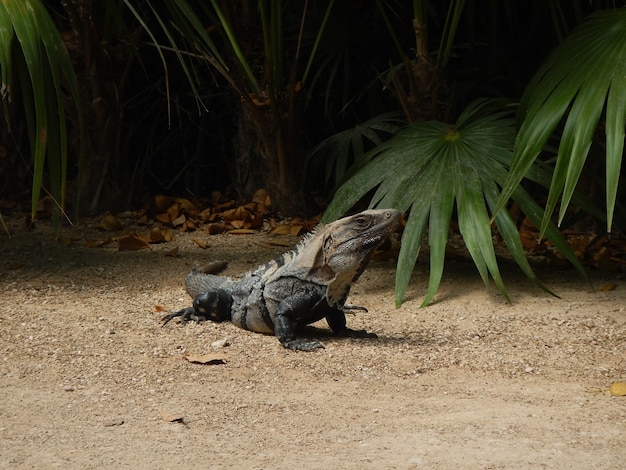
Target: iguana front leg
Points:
(337, 321)
(291, 312)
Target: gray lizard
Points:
(300, 287)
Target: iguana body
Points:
(300, 287)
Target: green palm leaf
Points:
(338, 150)
(30, 45)
(429, 166)
(583, 76)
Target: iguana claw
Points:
(185, 315)
(303, 345)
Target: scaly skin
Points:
(298, 288)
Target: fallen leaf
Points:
(206, 358)
(163, 217)
(217, 227)
(113, 422)
(262, 197)
(171, 417)
(618, 389)
(241, 231)
(187, 207)
(167, 236)
(173, 253)
(281, 229)
(159, 308)
(207, 215)
(132, 242)
(156, 236)
(98, 243)
(178, 221)
(609, 286)
(109, 223)
(200, 242)
(188, 226)
(163, 202)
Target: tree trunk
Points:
(268, 157)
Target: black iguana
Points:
(300, 287)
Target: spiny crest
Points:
(269, 268)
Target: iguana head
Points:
(342, 249)
(349, 243)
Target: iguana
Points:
(300, 287)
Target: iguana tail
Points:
(198, 282)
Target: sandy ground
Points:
(87, 371)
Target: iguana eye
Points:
(363, 221)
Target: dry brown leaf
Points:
(113, 422)
(207, 215)
(163, 217)
(217, 227)
(262, 197)
(99, 243)
(167, 236)
(132, 242)
(109, 223)
(159, 308)
(178, 221)
(281, 229)
(609, 286)
(156, 236)
(171, 417)
(188, 226)
(213, 358)
(172, 253)
(200, 242)
(242, 231)
(255, 221)
(238, 224)
(238, 213)
(618, 389)
(187, 206)
(163, 202)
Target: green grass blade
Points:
(234, 44)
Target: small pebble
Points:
(220, 343)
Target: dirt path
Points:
(469, 382)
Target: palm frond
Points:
(340, 150)
(31, 45)
(581, 78)
(430, 165)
